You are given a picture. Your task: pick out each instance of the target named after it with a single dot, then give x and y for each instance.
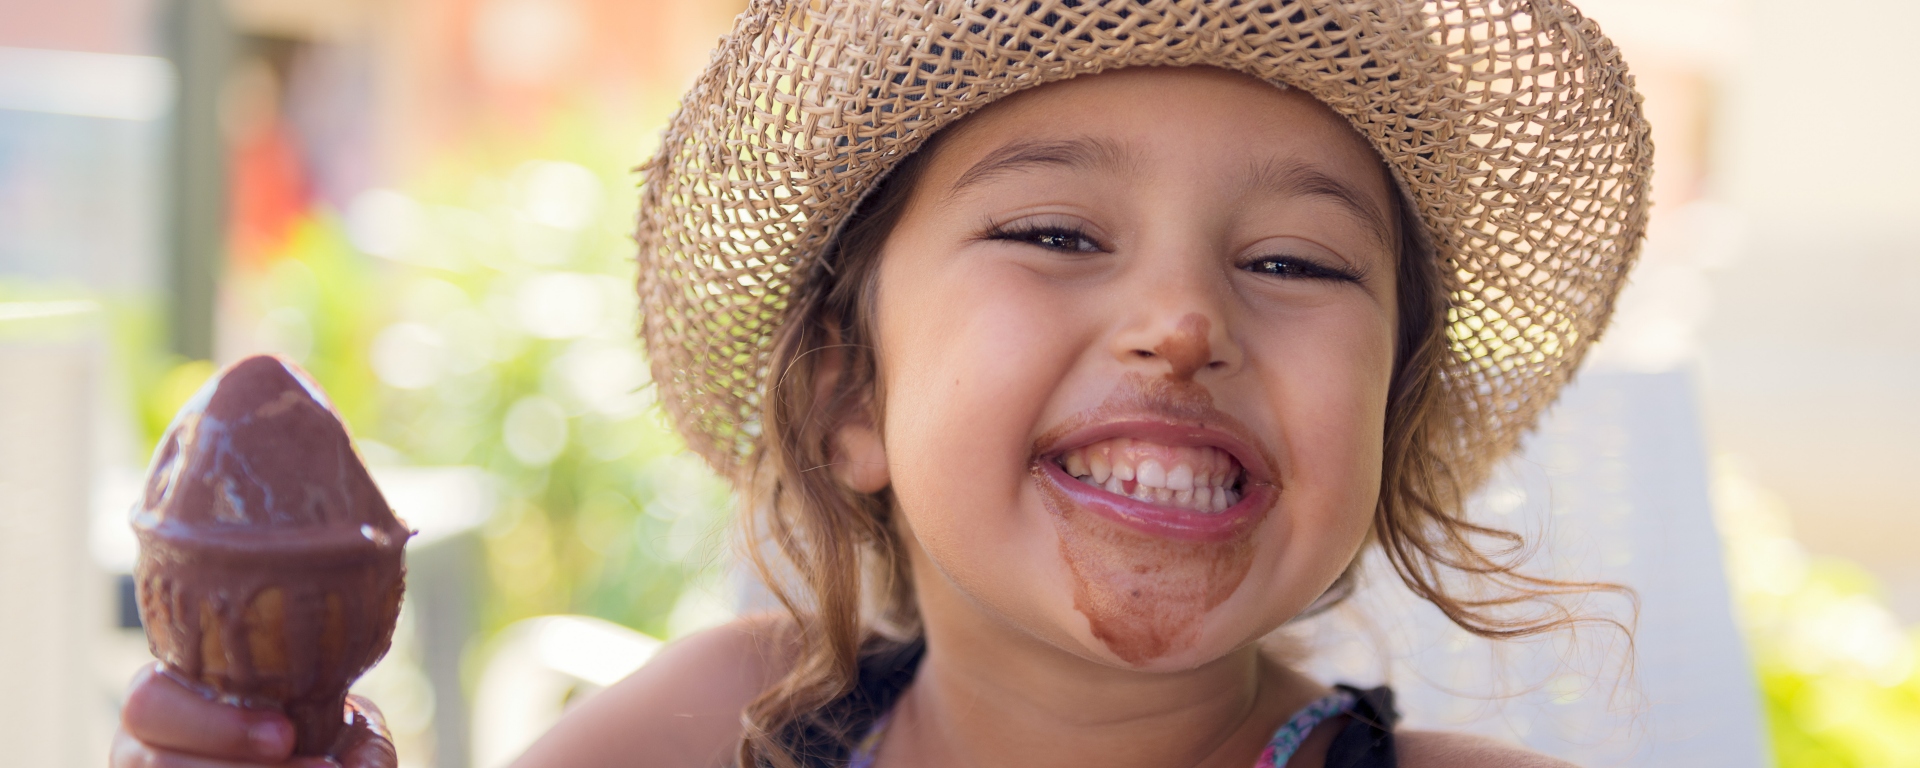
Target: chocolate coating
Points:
(271, 569)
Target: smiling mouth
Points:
(1158, 459)
(1201, 479)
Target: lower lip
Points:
(1157, 520)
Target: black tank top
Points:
(825, 739)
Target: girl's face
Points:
(1135, 333)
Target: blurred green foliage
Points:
(1838, 676)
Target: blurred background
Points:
(425, 203)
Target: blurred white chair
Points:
(539, 667)
(55, 602)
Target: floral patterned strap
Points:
(1287, 740)
(1279, 749)
(863, 751)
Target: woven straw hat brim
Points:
(1511, 125)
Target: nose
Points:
(1180, 333)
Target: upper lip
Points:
(1215, 430)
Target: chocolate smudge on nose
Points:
(1187, 350)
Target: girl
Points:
(1064, 351)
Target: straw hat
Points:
(1511, 125)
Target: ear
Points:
(860, 457)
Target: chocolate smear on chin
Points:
(271, 569)
(1144, 596)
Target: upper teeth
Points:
(1191, 477)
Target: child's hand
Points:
(167, 725)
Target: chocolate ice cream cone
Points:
(270, 570)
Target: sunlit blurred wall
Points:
(1811, 359)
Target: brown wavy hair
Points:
(835, 560)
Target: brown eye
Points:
(1051, 238)
(1292, 267)
(1062, 241)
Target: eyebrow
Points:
(1073, 154)
(1300, 179)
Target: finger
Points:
(128, 752)
(162, 712)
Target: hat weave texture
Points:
(1511, 125)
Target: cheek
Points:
(1327, 390)
(968, 362)
(1333, 414)
(1327, 380)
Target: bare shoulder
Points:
(1439, 749)
(681, 710)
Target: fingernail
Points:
(270, 737)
